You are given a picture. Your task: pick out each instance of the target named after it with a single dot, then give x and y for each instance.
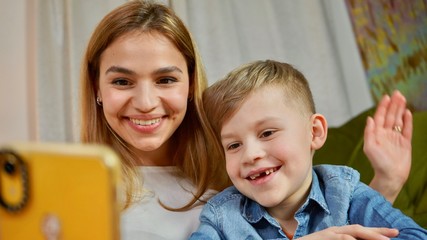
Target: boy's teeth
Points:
(266, 173)
(254, 176)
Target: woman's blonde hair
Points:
(195, 154)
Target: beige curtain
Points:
(63, 29)
(314, 36)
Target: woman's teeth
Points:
(145, 122)
(262, 174)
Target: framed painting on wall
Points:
(391, 36)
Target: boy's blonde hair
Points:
(223, 98)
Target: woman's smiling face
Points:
(144, 87)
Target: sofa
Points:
(344, 146)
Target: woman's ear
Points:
(98, 98)
(319, 131)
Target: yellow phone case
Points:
(59, 191)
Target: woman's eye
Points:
(120, 82)
(267, 133)
(166, 80)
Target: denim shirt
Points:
(337, 198)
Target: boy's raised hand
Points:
(387, 144)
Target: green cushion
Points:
(344, 146)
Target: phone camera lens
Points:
(9, 167)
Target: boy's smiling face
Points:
(268, 147)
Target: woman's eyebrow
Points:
(117, 69)
(168, 69)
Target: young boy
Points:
(263, 114)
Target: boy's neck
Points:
(287, 222)
(285, 212)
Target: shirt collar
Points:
(316, 195)
(253, 212)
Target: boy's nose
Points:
(253, 152)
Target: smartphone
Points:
(59, 191)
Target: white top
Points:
(149, 220)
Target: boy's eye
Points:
(233, 146)
(120, 82)
(266, 133)
(166, 80)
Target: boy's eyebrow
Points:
(258, 123)
(226, 136)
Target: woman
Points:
(142, 82)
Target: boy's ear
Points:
(319, 131)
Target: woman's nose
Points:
(145, 97)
